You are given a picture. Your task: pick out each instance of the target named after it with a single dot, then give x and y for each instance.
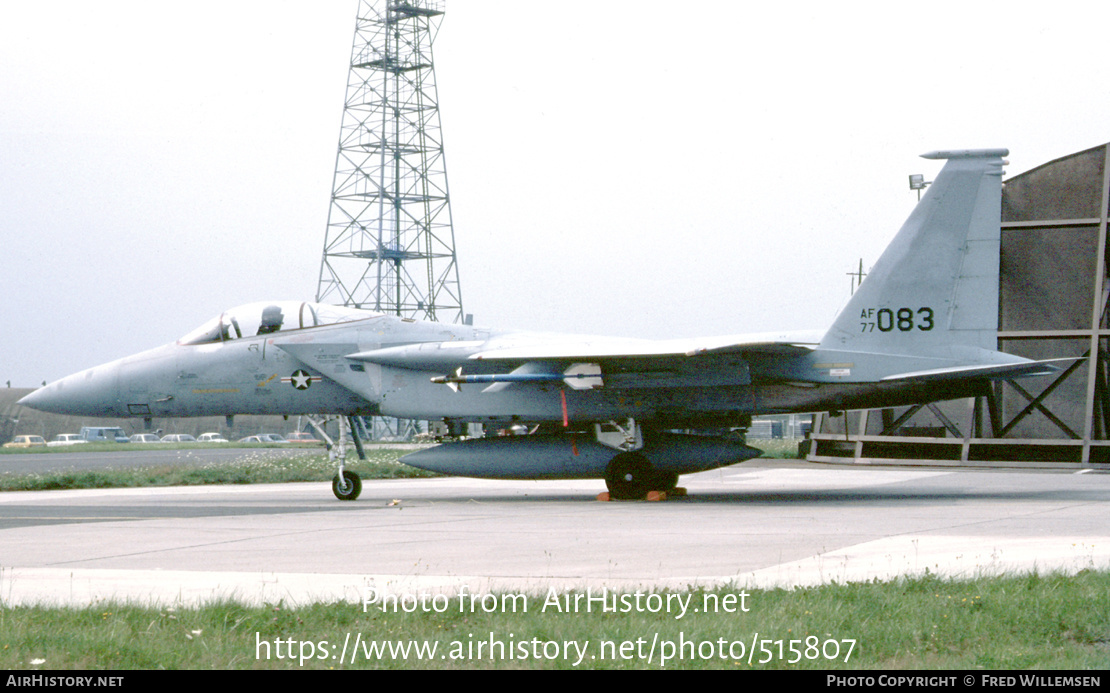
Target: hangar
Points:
(1053, 298)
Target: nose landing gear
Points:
(346, 485)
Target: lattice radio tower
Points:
(390, 245)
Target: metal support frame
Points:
(1087, 448)
(390, 242)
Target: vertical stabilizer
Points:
(936, 285)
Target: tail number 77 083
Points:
(901, 319)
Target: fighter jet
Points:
(637, 413)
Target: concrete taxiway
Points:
(758, 524)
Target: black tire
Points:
(629, 476)
(665, 481)
(350, 489)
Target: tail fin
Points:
(936, 285)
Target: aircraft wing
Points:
(561, 348)
(579, 362)
(614, 349)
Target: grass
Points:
(140, 447)
(255, 466)
(1024, 622)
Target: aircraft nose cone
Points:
(94, 392)
(43, 399)
(29, 400)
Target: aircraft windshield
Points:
(266, 318)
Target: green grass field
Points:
(252, 467)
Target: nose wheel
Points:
(346, 486)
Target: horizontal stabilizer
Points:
(967, 154)
(1024, 369)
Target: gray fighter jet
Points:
(922, 327)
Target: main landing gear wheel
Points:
(348, 488)
(665, 481)
(629, 476)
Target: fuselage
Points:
(309, 369)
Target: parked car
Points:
(301, 437)
(65, 439)
(211, 438)
(268, 438)
(104, 434)
(145, 438)
(179, 438)
(26, 442)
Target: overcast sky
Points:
(639, 168)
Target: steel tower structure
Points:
(390, 243)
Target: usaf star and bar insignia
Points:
(301, 379)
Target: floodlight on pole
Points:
(918, 183)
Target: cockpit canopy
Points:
(268, 317)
